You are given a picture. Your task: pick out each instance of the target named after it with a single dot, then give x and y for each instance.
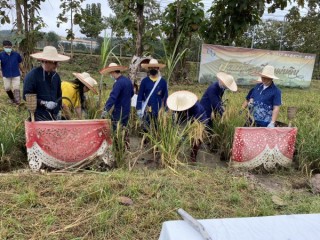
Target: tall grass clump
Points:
(168, 138)
(171, 58)
(119, 146)
(307, 144)
(12, 137)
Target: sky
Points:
(50, 10)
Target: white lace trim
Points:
(38, 158)
(269, 158)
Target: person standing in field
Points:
(187, 107)
(11, 67)
(153, 92)
(73, 94)
(212, 98)
(46, 83)
(264, 99)
(118, 104)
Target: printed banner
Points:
(294, 69)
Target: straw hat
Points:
(87, 80)
(268, 72)
(152, 63)
(181, 100)
(50, 53)
(228, 80)
(113, 67)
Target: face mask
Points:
(113, 78)
(153, 72)
(7, 50)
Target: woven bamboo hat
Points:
(268, 72)
(50, 53)
(87, 80)
(113, 67)
(181, 100)
(153, 63)
(228, 80)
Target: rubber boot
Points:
(10, 95)
(194, 152)
(127, 139)
(17, 98)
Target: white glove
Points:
(49, 104)
(104, 114)
(140, 114)
(271, 125)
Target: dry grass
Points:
(85, 206)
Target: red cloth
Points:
(249, 142)
(69, 141)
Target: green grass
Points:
(86, 206)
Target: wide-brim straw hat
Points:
(181, 100)
(113, 67)
(153, 64)
(50, 53)
(87, 80)
(228, 81)
(268, 72)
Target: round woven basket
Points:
(292, 111)
(31, 100)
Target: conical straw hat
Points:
(113, 67)
(152, 63)
(228, 80)
(181, 100)
(87, 80)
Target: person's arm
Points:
(215, 101)
(113, 96)
(59, 94)
(140, 95)
(66, 111)
(165, 95)
(275, 113)
(79, 112)
(276, 106)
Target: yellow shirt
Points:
(69, 91)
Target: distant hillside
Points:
(6, 35)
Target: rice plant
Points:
(11, 138)
(119, 146)
(169, 139)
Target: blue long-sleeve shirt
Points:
(120, 98)
(47, 86)
(212, 99)
(197, 112)
(10, 64)
(158, 98)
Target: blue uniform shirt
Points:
(10, 64)
(212, 99)
(158, 98)
(120, 98)
(47, 86)
(197, 112)
(263, 102)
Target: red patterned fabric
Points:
(68, 141)
(250, 142)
